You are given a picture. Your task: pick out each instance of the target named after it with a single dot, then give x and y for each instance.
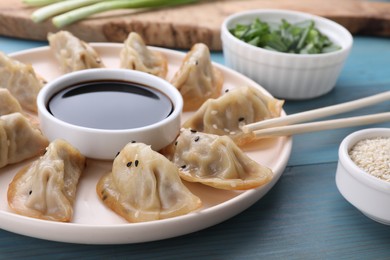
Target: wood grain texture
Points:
(181, 27)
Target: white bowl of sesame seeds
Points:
(363, 172)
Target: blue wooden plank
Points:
(9, 45)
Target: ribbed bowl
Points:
(286, 75)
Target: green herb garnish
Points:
(301, 38)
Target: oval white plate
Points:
(93, 223)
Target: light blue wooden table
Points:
(302, 217)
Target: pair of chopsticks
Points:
(285, 125)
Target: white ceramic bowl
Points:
(286, 75)
(367, 193)
(103, 143)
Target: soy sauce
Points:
(107, 104)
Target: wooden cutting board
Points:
(181, 27)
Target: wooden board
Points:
(181, 27)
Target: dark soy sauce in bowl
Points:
(110, 104)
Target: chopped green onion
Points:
(300, 38)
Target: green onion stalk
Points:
(65, 12)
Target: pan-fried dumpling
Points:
(135, 55)
(228, 113)
(21, 80)
(19, 139)
(8, 103)
(197, 79)
(215, 161)
(46, 189)
(145, 186)
(72, 53)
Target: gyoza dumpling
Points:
(197, 79)
(8, 103)
(47, 188)
(145, 186)
(135, 55)
(19, 139)
(20, 79)
(228, 113)
(72, 53)
(215, 161)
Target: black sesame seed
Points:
(196, 63)
(241, 119)
(129, 164)
(176, 143)
(193, 131)
(29, 193)
(227, 90)
(104, 197)
(136, 163)
(133, 142)
(196, 139)
(117, 154)
(183, 166)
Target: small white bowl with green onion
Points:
(294, 55)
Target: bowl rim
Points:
(56, 85)
(226, 33)
(354, 170)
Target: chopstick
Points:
(322, 125)
(283, 125)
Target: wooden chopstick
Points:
(322, 125)
(318, 113)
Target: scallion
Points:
(65, 12)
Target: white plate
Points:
(93, 223)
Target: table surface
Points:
(303, 216)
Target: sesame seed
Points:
(193, 131)
(29, 193)
(215, 126)
(241, 119)
(129, 164)
(183, 166)
(227, 90)
(136, 163)
(373, 156)
(196, 139)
